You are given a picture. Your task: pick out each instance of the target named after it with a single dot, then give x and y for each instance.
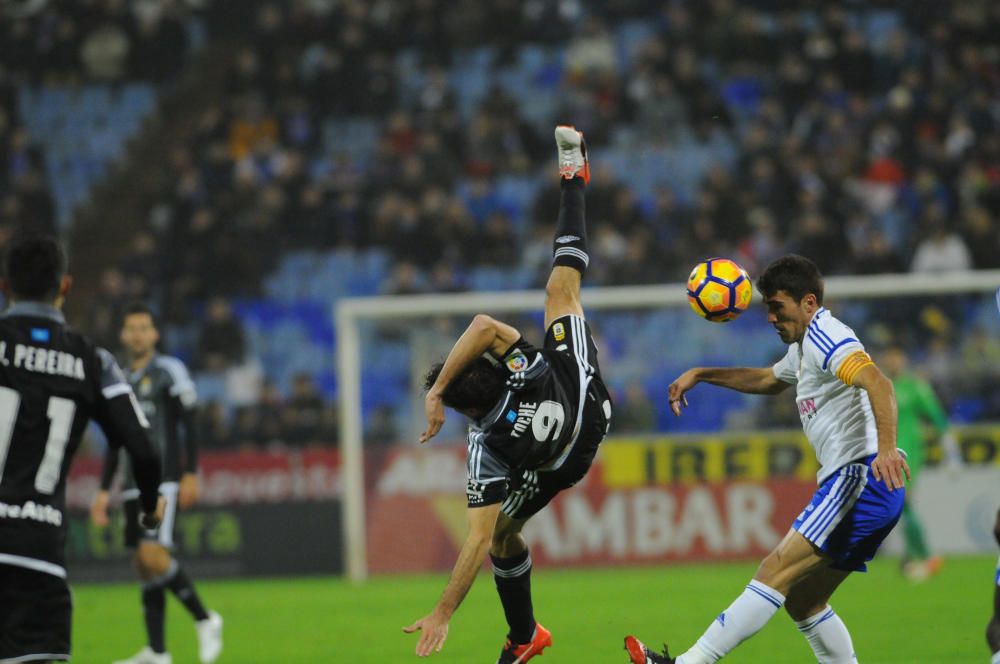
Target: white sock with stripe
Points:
(829, 638)
(744, 618)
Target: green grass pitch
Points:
(329, 620)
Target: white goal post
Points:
(351, 312)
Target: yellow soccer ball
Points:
(719, 290)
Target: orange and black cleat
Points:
(519, 653)
(640, 654)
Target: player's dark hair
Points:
(34, 266)
(796, 275)
(477, 388)
(136, 308)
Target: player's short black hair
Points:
(477, 389)
(796, 275)
(136, 308)
(34, 266)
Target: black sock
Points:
(570, 245)
(181, 586)
(154, 612)
(513, 578)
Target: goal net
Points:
(697, 487)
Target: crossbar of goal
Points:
(350, 312)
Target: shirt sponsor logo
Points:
(517, 361)
(558, 331)
(32, 511)
(807, 408)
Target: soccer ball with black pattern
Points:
(719, 290)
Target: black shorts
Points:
(164, 535)
(36, 612)
(573, 358)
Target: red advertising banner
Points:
(259, 513)
(239, 477)
(416, 513)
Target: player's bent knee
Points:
(801, 609)
(153, 559)
(769, 568)
(508, 541)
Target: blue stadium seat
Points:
(82, 131)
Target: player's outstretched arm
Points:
(433, 627)
(889, 465)
(484, 334)
(742, 379)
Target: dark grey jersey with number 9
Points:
(539, 416)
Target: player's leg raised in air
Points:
(509, 551)
(570, 257)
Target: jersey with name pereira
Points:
(52, 381)
(537, 421)
(837, 417)
(166, 394)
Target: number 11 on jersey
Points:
(60, 413)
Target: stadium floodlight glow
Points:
(351, 312)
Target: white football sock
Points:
(996, 658)
(744, 618)
(829, 638)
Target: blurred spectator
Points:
(941, 251)
(634, 412)
(982, 237)
(381, 429)
(104, 315)
(591, 51)
(213, 426)
(221, 343)
(104, 52)
(262, 423)
(303, 413)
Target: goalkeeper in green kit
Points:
(917, 405)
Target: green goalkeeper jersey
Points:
(917, 403)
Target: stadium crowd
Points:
(863, 135)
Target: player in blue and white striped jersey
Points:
(848, 411)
